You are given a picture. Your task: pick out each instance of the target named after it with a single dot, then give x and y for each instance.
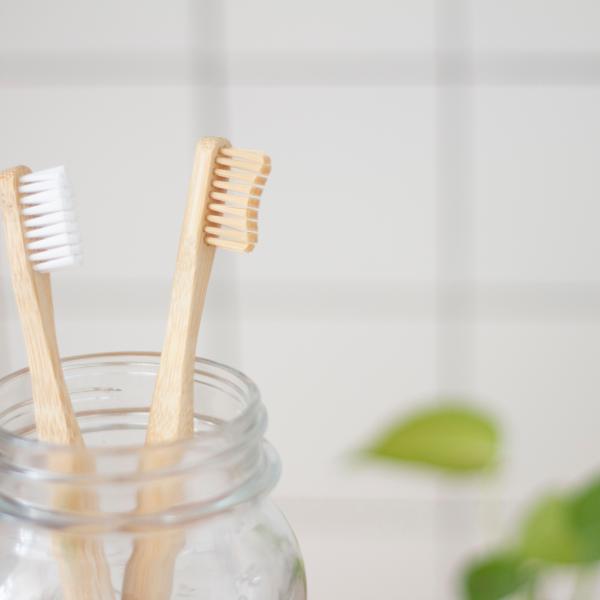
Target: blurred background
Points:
(430, 229)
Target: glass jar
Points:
(228, 540)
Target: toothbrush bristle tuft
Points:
(238, 183)
(51, 229)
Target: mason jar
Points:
(73, 533)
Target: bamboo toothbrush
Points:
(221, 212)
(41, 237)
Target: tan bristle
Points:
(237, 200)
(255, 167)
(239, 224)
(239, 177)
(232, 235)
(231, 210)
(252, 155)
(240, 188)
(235, 246)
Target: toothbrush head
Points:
(50, 226)
(239, 178)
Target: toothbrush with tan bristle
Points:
(41, 237)
(221, 212)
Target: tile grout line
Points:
(208, 61)
(454, 312)
(381, 69)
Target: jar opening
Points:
(225, 462)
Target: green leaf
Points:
(585, 513)
(450, 438)
(549, 533)
(497, 577)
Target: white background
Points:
(430, 228)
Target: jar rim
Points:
(249, 414)
(235, 443)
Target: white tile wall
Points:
(334, 214)
(68, 27)
(540, 376)
(416, 234)
(273, 28)
(534, 26)
(536, 184)
(340, 539)
(128, 152)
(334, 387)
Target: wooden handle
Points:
(150, 569)
(149, 572)
(171, 414)
(54, 416)
(84, 571)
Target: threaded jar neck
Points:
(225, 464)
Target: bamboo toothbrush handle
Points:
(87, 577)
(227, 182)
(171, 414)
(55, 420)
(149, 573)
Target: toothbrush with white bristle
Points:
(41, 237)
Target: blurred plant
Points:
(561, 530)
(453, 438)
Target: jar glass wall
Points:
(221, 532)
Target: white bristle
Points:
(50, 219)
(46, 196)
(63, 239)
